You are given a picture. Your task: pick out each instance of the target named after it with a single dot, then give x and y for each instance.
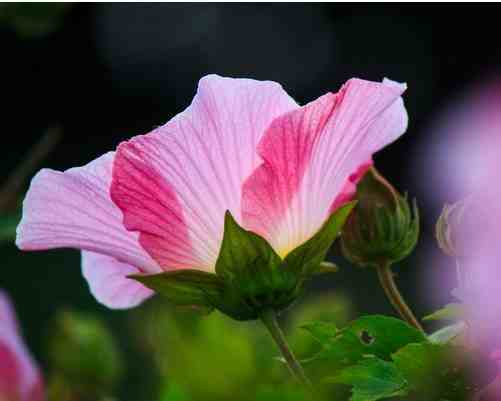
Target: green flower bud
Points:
(382, 228)
(83, 355)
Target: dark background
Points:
(111, 71)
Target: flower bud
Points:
(446, 229)
(468, 226)
(381, 228)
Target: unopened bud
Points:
(468, 226)
(382, 228)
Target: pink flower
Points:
(20, 379)
(466, 160)
(465, 138)
(158, 202)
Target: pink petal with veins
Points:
(108, 282)
(311, 155)
(175, 184)
(73, 209)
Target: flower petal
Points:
(10, 374)
(73, 209)
(108, 282)
(19, 374)
(309, 155)
(350, 187)
(175, 184)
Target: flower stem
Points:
(387, 281)
(269, 319)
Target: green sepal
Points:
(250, 277)
(185, 287)
(253, 274)
(307, 258)
(243, 252)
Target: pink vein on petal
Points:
(312, 158)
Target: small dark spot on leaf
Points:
(366, 338)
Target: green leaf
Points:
(434, 371)
(243, 252)
(370, 335)
(306, 258)
(372, 379)
(321, 331)
(185, 287)
(452, 311)
(447, 333)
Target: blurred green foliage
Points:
(212, 357)
(33, 19)
(85, 363)
(8, 224)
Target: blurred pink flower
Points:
(20, 379)
(158, 202)
(466, 157)
(466, 143)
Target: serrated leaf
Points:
(370, 335)
(306, 258)
(243, 252)
(452, 311)
(434, 371)
(372, 379)
(447, 333)
(185, 287)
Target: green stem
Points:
(387, 281)
(269, 319)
